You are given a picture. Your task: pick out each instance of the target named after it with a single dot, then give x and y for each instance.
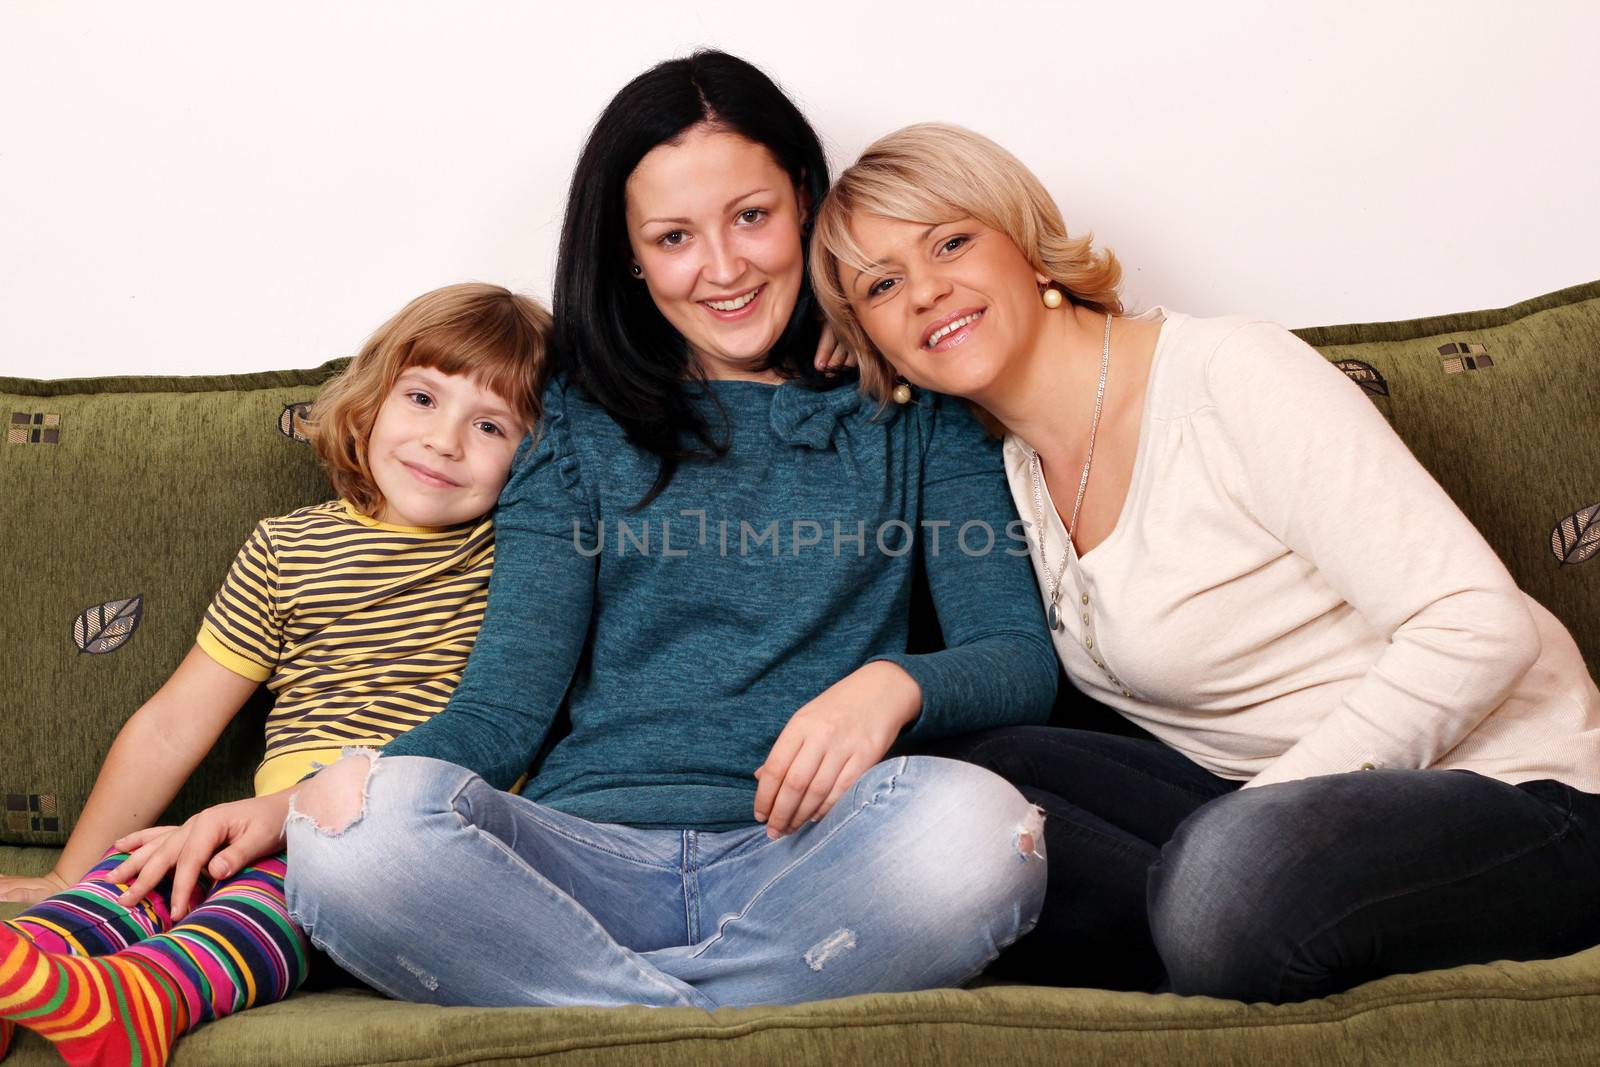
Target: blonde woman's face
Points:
(952, 305)
(714, 227)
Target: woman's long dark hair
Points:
(609, 337)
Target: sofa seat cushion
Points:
(1545, 1012)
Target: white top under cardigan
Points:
(1288, 593)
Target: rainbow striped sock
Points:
(86, 920)
(237, 949)
(97, 1012)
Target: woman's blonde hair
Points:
(936, 173)
(491, 334)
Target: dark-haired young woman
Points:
(705, 561)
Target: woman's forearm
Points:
(1001, 679)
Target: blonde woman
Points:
(1365, 751)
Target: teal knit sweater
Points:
(679, 638)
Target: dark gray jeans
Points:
(1163, 875)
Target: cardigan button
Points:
(1369, 766)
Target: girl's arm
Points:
(153, 755)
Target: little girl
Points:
(358, 614)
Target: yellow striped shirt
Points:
(359, 628)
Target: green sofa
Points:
(122, 501)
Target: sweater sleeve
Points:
(1323, 472)
(999, 668)
(541, 594)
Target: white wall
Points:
(208, 186)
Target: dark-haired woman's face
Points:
(714, 223)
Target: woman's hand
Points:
(831, 357)
(19, 890)
(831, 741)
(249, 829)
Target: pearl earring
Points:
(1052, 298)
(638, 271)
(902, 393)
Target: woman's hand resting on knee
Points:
(831, 741)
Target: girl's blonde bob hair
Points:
(491, 334)
(936, 173)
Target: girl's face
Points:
(953, 305)
(441, 448)
(714, 224)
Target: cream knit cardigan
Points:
(1288, 593)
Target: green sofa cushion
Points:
(1545, 1012)
(137, 493)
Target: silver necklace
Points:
(1054, 579)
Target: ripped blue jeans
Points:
(449, 891)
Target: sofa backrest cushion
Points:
(122, 503)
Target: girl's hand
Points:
(831, 358)
(831, 741)
(249, 829)
(19, 890)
